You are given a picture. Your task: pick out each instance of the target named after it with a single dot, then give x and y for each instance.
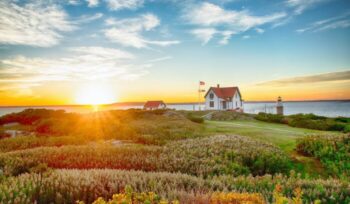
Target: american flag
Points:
(201, 83)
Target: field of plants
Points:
(309, 121)
(167, 156)
(332, 151)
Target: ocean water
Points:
(323, 108)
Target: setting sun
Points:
(95, 94)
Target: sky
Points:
(56, 52)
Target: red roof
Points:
(153, 104)
(224, 92)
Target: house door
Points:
(224, 105)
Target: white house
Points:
(153, 105)
(223, 98)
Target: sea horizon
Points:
(170, 103)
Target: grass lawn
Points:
(281, 135)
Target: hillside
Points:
(180, 156)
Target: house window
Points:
(236, 104)
(211, 104)
(211, 96)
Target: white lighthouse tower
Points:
(279, 106)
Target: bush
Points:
(27, 142)
(196, 119)
(333, 152)
(273, 118)
(4, 135)
(68, 186)
(158, 126)
(309, 121)
(217, 155)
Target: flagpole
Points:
(199, 96)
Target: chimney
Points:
(218, 85)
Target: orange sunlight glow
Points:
(95, 94)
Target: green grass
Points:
(280, 135)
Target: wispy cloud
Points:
(225, 22)
(326, 77)
(124, 4)
(32, 24)
(84, 63)
(89, 18)
(341, 21)
(300, 6)
(92, 3)
(128, 32)
(259, 30)
(246, 37)
(204, 34)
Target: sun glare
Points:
(95, 94)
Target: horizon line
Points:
(170, 103)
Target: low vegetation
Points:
(217, 155)
(69, 186)
(168, 156)
(333, 152)
(27, 142)
(309, 121)
(146, 127)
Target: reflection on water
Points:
(324, 108)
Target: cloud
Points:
(204, 34)
(32, 24)
(92, 3)
(326, 77)
(225, 22)
(246, 37)
(84, 63)
(160, 59)
(73, 2)
(259, 30)
(124, 4)
(300, 6)
(87, 18)
(341, 21)
(128, 32)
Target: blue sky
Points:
(162, 48)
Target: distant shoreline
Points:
(183, 103)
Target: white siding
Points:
(236, 99)
(215, 100)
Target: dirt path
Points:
(312, 165)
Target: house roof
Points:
(224, 92)
(153, 104)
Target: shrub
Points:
(333, 152)
(157, 126)
(3, 134)
(27, 142)
(228, 198)
(68, 186)
(342, 119)
(274, 118)
(130, 197)
(196, 119)
(217, 155)
(309, 121)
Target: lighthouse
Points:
(279, 106)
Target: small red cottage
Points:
(154, 105)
